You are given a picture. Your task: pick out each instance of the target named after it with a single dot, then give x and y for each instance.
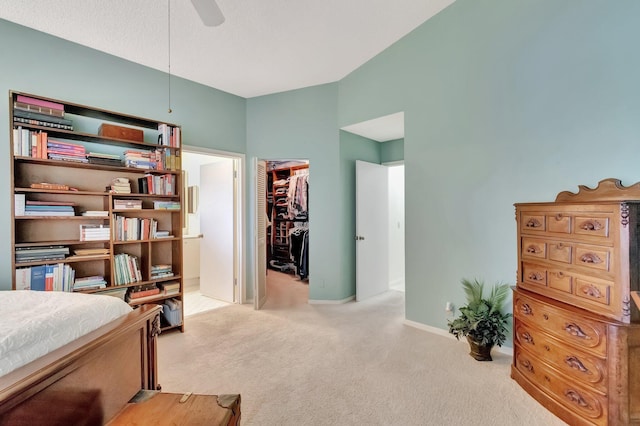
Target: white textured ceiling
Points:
(263, 47)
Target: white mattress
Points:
(33, 323)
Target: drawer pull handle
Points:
(546, 317)
(590, 258)
(575, 330)
(576, 398)
(559, 246)
(560, 274)
(591, 225)
(534, 249)
(559, 216)
(526, 364)
(592, 291)
(547, 348)
(533, 223)
(536, 276)
(527, 338)
(526, 309)
(574, 362)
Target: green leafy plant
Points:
(482, 319)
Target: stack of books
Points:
(40, 112)
(66, 151)
(170, 288)
(89, 283)
(162, 234)
(48, 208)
(89, 253)
(94, 232)
(104, 159)
(161, 271)
(119, 204)
(39, 254)
(140, 293)
(96, 213)
(140, 159)
(120, 185)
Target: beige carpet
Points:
(351, 364)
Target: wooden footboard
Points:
(88, 380)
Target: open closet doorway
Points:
(380, 237)
(213, 249)
(283, 205)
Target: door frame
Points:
(254, 175)
(240, 292)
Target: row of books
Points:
(157, 184)
(54, 277)
(94, 232)
(127, 269)
(40, 254)
(169, 135)
(134, 228)
(38, 144)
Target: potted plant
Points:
(482, 320)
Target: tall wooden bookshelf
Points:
(78, 152)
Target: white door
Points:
(372, 230)
(217, 226)
(261, 235)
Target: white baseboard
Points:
(440, 332)
(331, 302)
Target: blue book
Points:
(37, 277)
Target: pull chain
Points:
(169, 44)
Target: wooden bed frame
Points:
(88, 380)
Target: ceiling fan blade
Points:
(209, 12)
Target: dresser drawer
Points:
(591, 290)
(577, 365)
(568, 327)
(534, 274)
(585, 402)
(534, 248)
(560, 251)
(533, 222)
(594, 257)
(559, 222)
(593, 226)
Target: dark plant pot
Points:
(479, 352)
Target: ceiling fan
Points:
(209, 12)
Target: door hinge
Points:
(235, 174)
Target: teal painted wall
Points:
(38, 63)
(303, 124)
(504, 102)
(392, 151)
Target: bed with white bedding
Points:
(73, 351)
(33, 323)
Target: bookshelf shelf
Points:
(53, 147)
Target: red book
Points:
(144, 293)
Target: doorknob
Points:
(359, 238)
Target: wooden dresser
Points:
(576, 326)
